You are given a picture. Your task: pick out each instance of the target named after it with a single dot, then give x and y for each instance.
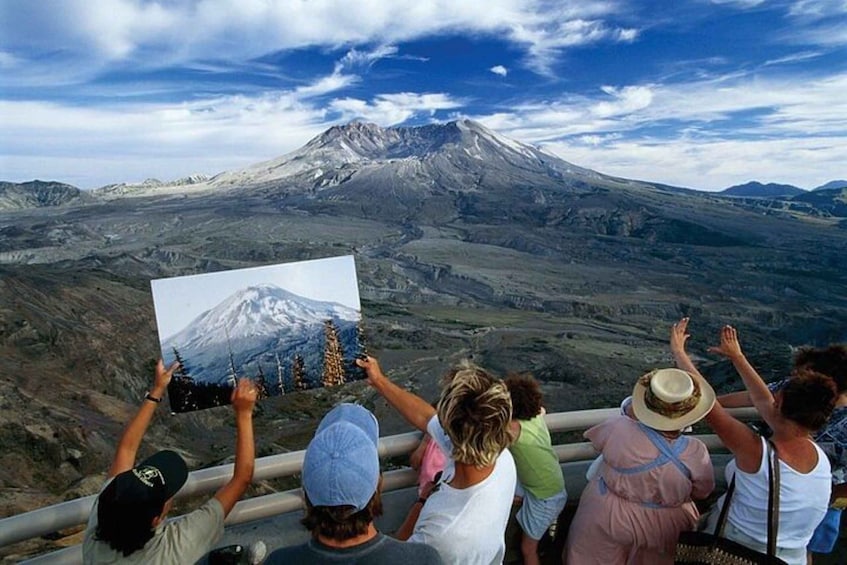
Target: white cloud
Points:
(739, 3)
(714, 133)
(390, 109)
(817, 9)
(355, 58)
(128, 143)
(99, 35)
(627, 100)
(711, 164)
(499, 70)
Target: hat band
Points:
(669, 409)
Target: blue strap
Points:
(667, 454)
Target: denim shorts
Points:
(537, 515)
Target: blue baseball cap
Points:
(341, 466)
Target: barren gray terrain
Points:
(466, 245)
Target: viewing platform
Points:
(275, 518)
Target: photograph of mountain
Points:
(290, 327)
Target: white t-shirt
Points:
(803, 500)
(468, 525)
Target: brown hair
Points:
(342, 522)
(808, 399)
(526, 395)
(830, 361)
(475, 409)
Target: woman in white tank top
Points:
(793, 413)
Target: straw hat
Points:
(671, 399)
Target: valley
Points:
(515, 259)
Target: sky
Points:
(702, 94)
(179, 300)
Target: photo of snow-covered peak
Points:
(290, 327)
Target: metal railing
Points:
(44, 521)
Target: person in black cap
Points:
(127, 521)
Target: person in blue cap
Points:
(341, 487)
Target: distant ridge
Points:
(832, 184)
(36, 194)
(755, 189)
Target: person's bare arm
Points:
(412, 407)
(740, 399)
(243, 400)
(416, 458)
(839, 491)
(743, 442)
(760, 394)
(127, 449)
(405, 530)
(679, 335)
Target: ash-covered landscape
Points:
(467, 244)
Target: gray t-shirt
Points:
(380, 550)
(183, 540)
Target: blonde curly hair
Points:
(475, 409)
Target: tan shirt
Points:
(182, 540)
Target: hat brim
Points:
(666, 424)
(173, 469)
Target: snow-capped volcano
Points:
(333, 156)
(251, 322)
(259, 310)
(457, 155)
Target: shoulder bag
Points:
(703, 548)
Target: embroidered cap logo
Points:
(147, 474)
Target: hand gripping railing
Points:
(75, 512)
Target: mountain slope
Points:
(756, 189)
(832, 184)
(831, 201)
(36, 194)
(249, 323)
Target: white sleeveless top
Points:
(803, 500)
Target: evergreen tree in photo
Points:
(181, 390)
(182, 371)
(261, 383)
(298, 373)
(333, 366)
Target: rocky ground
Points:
(582, 296)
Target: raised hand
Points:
(244, 396)
(163, 377)
(729, 346)
(679, 336)
(372, 369)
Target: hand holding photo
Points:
(289, 327)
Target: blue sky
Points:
(696, 93)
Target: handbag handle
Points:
(719, 527)
(773, 498)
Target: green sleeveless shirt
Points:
(537, 464)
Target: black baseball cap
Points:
(144, 488)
